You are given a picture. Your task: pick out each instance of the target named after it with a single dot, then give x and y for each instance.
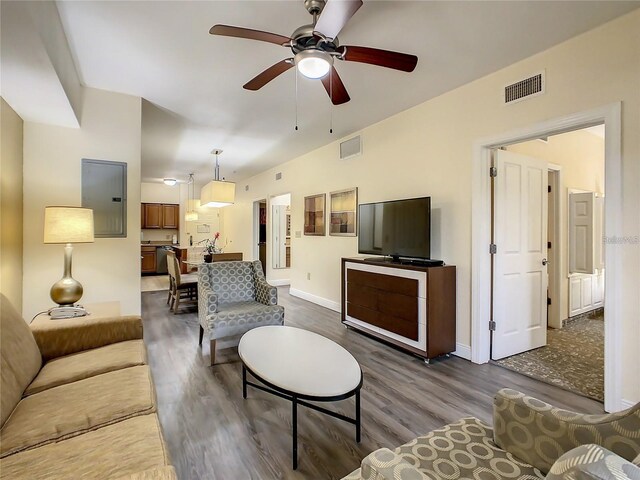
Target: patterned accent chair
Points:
(529, 439)
(233, 298)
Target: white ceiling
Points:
(29, 81)
(192, 81)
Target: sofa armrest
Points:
(57, 338)
(383, 464)
(538, 433)
(265, 293)
(592, 462)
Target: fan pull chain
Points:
(331, 101)
(296, 99)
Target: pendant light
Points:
(217, 193)
(191, 215)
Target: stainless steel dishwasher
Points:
(161, 260)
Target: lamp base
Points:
(67, 311)
(66, 291)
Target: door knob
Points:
(545, 261)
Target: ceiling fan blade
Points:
(335, 88)
(335, 15)
(382, 58)
(269, 74)
(229, 31)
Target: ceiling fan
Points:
(315, 46)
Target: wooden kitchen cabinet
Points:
(152, 215)
(170, 216)
(160, 215)
(148, 259)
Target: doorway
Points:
(549, 271)
(280, 231)
(260, 232)
(610, 115)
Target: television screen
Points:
(400, 228)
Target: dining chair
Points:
(181, 287)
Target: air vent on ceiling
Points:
(527, 88)
(351, 148)
(278, 175)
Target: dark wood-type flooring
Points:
(212, 433)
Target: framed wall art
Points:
(314, 219)
(344, 213)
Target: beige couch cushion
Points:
(87, 364)
(75, 408)
(20, 357)
(111, 452)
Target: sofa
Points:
(77, 400)
(529, 440)
(233, 298)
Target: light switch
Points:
(298, 234)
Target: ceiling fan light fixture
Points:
(313, 63)
(170, 181)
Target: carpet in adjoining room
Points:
(573, 358)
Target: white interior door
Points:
(520, 272)
(581, 232)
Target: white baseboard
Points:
(463, 351)
(323, 302)
(627, 404)
(279, 283)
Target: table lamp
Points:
(67, 225)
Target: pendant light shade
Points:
(217, 193)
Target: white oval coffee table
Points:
(300, 365)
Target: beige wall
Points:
(11, 205)
(427, 150)
(581, 156)
(159, 193)
(108, 269)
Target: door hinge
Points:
(492, 326)
(493, 248)
(549, 188)
(548, 301)
(493, 171)
(548, 244)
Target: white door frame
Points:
(610, 115)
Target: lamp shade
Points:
(218, 193)
(68, 225)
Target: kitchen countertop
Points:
(158, 244)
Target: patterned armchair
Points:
(233, 298)
(529, 439)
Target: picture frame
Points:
(314, 214)
(343, 216)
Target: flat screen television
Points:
(399, 228)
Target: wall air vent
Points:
(279, 176)
(351, 148)
(527, 88)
